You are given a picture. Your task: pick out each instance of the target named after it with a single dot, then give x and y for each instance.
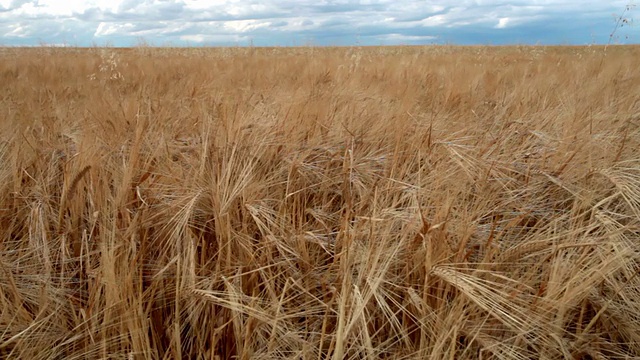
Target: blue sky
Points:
(304, 22)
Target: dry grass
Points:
(404, 203)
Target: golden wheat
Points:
(309, 203)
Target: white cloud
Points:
(436, 20)
(17, 31)
(405, 39)
(242, 26)
(197, 38)
(106, 29)
(502, 23)
(325, 22)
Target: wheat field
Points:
(320, 203)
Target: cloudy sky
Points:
(306, 22)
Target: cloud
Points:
(502, 23)
(297, 22)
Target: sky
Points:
(123, 23)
